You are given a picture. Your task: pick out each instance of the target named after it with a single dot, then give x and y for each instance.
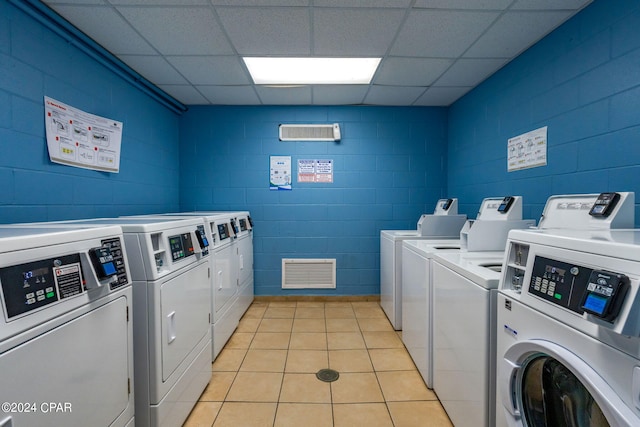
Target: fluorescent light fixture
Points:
(308, 71)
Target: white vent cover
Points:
(310, 132)
(308, 273)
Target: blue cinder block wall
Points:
(389, 169)
(35, 62)
(583, 82)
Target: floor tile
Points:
(218, 387)
(304, 388)
(310, 312)
(283, 304)
(337, 304)
(418, 414)
(264, 361)
(310, 304)
(275, 325)
(240, 340)
(306, 361)
(345, 312)
(356, 388)
(382, 340)
(361, 414)
(236, 414)
(350, 361)
(342, 325)
(308, 341)
(391, 359)
(369, 313)
(403, 385)
(203, 414)
(255, 387)
(279, 313)
(374, 324)
(365, 304)
(345, 341)
(248, 324)
(255, 312)
(229, 359)
(304, 415)
(309, 325)
(271, 341)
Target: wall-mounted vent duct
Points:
(310, 132)
(308, 273)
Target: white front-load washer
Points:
(444, 223)
(568, 328)
(464, 297)
(170, 270)
(66, 336)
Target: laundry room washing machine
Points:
(444, 223)
(66, 336)
(169, 260)
(244, 245)
(568, 328)
(497, 215)
(465, 294)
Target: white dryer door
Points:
(185, 316)
(544, 384)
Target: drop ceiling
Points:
(433, 51)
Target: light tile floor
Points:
(265, 375)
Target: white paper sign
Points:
(280, 173)
(76, 138)
(315, 170)
(528, 150)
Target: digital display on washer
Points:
(181, 246)
(223, 231)
(26, 287)
(559, 282)
(595, 304)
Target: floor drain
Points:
(327, 375)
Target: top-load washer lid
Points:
(427, 248)
(479, 267)
(15, 238)
(589, 211)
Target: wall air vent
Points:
(310, 132)
(308, 273)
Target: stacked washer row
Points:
(89, 331)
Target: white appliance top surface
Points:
(19, 238)
(475, 266)
(407, 234)
(623, 244)
(142, 224)
(427, 248)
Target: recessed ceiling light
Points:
(287, 71)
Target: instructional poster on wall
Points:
(315, 171)
(528, 150)
(77, 138)
(280, 173)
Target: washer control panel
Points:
(181, 246)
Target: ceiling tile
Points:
(441, 96)
(360, 3)
(284, 96)
(463, 4)
(393, 95)
(186, 94)
(158, 2)
(230, 95)
(339, 94)
(514, 32)
(410, 71)
(260, 2)
(92, 2)
(354, 32)
(550, 4)
(103, 24)
(268, 31)
(154, 68)
(469, 72)
(211, 70)
(440, 33)
(179, 31)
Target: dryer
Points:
(66, 336)
(169, 259)
(568, 328)
(444, 223)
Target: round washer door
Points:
(542, 384)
